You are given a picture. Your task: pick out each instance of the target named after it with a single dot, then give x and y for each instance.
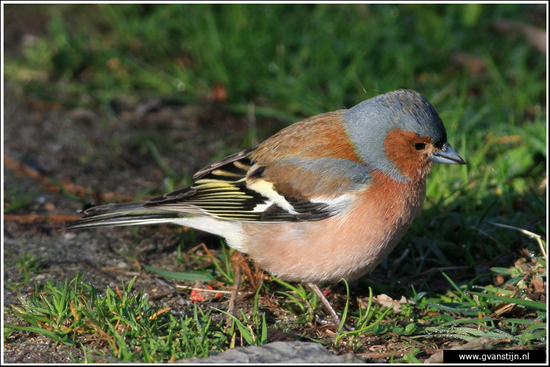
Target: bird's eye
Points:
(419, 146)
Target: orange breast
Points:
(347, 245)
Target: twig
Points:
(488, 236)
(208, 290)
(22, 169)
(530, 234)
(40, 218)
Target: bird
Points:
(324, 199)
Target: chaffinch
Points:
(325, 199)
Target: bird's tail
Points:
(124, 214)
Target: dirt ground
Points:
(69, 146)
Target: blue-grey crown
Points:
(369, 122)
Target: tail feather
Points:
(124, 214)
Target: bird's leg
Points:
(328, 306)
(233, 300)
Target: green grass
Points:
(128, 323)
(293, 61)
(132, 328)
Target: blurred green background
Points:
(301, 59)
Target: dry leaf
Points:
(218, 93)
(535, 36)
(474, 64)
(387, 301)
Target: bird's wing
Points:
(219, 190)
(234, 189)
(249, 186)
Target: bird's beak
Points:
(446, 156)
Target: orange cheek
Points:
(400, 150)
